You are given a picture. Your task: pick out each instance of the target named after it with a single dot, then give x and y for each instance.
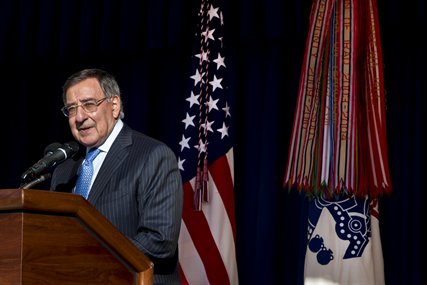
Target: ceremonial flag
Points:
(344, 243)
(207, 253)
(338, 149)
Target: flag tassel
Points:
(205, 181)
(198, 191)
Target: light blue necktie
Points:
(86, 173)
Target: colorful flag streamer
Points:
(338, 143)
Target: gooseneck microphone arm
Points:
(38, 180)
(54, 156)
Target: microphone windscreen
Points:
(52, 147)
(71, 148)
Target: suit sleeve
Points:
(160, 201)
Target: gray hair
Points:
(108, 84)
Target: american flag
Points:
(207, 252)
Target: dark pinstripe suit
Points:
(139, 189)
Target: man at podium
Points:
(132, 179)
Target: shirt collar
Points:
(105, 147)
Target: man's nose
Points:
(81, 114)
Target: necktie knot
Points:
(86, 173)
(91, 155)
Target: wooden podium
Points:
(59, 238)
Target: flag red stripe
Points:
(182, 277)
(220, 172)
(200, 233)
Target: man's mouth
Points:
(84, 130)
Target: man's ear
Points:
(116, 106)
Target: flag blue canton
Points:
(207, 120)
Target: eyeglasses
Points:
(89, 106)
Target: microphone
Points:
(55, 153)
(50, 149)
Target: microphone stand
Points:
(40, 179)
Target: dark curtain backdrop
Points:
(147, 45)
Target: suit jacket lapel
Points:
(115, 157)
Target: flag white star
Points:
(204, 55)
(209, 125)
(188, 121)
(193, 99)
(213, 12)
(202, 146)
(223, 130)
(184, 142)
(208, 35)
(197, 77)
(226, 109)
(216, 83)
(220, 39)
(181, 163)
(219, 61)
(212, 104)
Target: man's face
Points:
(91, 129)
